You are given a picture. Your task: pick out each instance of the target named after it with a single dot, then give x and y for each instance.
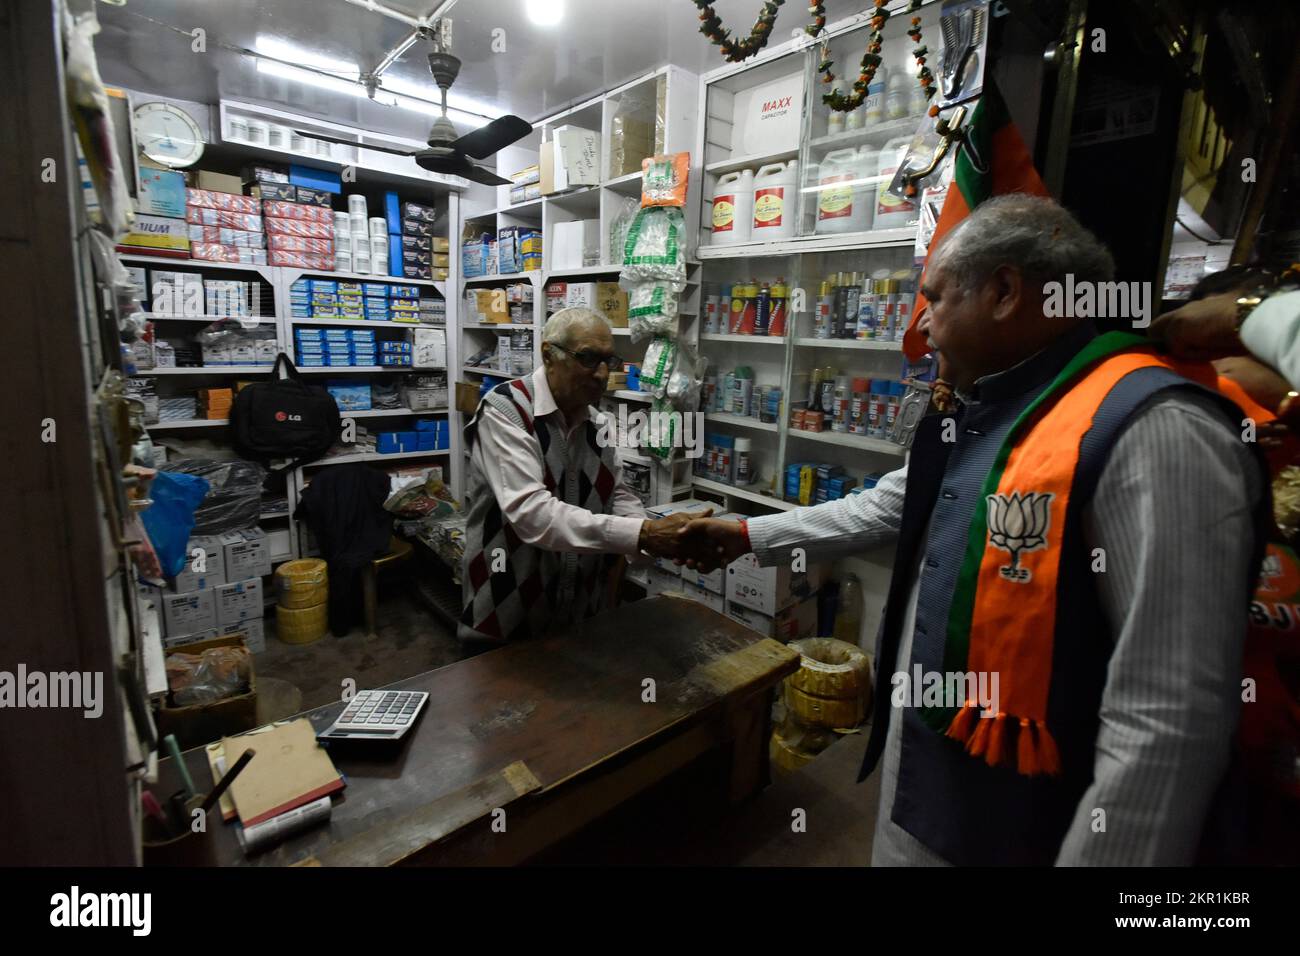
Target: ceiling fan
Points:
(448, 153)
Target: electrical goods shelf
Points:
(477, 370)
(903, 237)
(869, 344)
(389, 412)
(188, 423)
(377, 456)
(186, 262)
(329, 369)
(745, 339)
(212, 370)
(861, 442)
(882, 132)
(724, 489)
(750, 162)
(528, 276)
(582, 271)
(439, 284)
(369, 323)
(250, 321)
(740, 421)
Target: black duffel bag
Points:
(284, 418)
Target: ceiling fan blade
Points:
(354, 143)
(486, 140)
(455, 164)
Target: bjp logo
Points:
(1018, 523)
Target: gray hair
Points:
(559, 327)
(1035, 235)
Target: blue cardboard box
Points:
(387, 443)
(374, 290)
(314, 178)
(350, 396)
(394, 256)
(426, 424)
(395, 348)
(426, 441)
(393, 213)
(409, 441)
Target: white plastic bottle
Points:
(775, 188)
(892, 211)
(733, 207)
(834, 118)
(873, 107)
(843, 199)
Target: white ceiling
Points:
(145, 45)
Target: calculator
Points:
(376, 715)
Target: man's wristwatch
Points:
(1246, 305)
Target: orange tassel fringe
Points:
(1035, 751)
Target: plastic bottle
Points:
(733, 207)
(743, 476)
(892, 212)
(834, 118)
(843, 197)
(848, 616)
(896, 96)
(780, 306)
(873, 107)
(773, 204)
(916, 99)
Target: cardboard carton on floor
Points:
(202, 723)
(791, 624)
(769, 590)
(188, 612)
(247, 554)
(204, 552)
(239, 601)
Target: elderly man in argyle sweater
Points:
(549, 508)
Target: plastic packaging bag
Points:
(234, 500)
(620, 222)
(171, 518)
(217, 673)
(664, 179)
(657, 367)
(655, 247)
(418, 496)
(651, 309)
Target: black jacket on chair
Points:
(344, 507)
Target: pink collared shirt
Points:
(510, 460)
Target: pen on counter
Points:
(210, 800)
(174, 750)
(152, 808)
(180, 816)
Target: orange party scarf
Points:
(1003, 614)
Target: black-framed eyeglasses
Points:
(591, 360)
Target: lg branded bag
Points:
(284, 418)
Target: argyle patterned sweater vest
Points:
(513, 590)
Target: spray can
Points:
(852, 300)
(867, 311)
(858, 406)
(743, 476)
(894, 399)
(780, 305)
(815, 390)
(903, 308)
(887, 303)
(876, 408)
(711, 313)
(827, 401)
(825, 303)
(841, 306)
(763, 310)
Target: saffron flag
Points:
(992, 162)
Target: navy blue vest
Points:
(955, 804)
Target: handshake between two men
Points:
(696, 539)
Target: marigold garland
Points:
(871, 59)
(734, 51)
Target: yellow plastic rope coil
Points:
(302, 584)
(301, 625)
(786, 757)
(825, 711)
(831, 668)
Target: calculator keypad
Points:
(386, 710)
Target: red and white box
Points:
(300, 260)
(231, 202)
(227, 237)
(224, 218)
(216, 252)
(320, 247)
(297, 210)
(305, 228)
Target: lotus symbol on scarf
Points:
(1018, 523)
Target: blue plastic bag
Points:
(170, 519)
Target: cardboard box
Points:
(612, 301)
(188, 612)
(159, 233)
(491, 305)
(467, 397)
(205, 635)
(580, 295)
(204, 723)
(768, 118)
(214, 564)
(253, 632)
(246, 553)
(704, 596)
(661, 581)
(430, 349)
(546, 167)
(577, 156)
(794, 623)
(161, 192)
(219, 182)
(572, 241)
(772, 589)
(239, 601)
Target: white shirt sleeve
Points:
(510, 460)
(843, 527)
(1272, 334)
